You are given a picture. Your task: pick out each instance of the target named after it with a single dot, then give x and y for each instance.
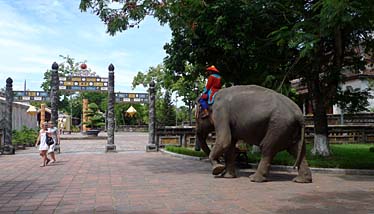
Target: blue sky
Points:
(33, 33)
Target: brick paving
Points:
(86, 180)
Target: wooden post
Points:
(84, 110)
(42, 115)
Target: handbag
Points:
(50, 141)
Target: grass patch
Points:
(344, 156)
(185, 151)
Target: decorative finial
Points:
(55, 66)
(152, 84)
(111, 67)
(9, 81)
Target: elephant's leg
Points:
(304, 173)
(230, 157)
(269, 148)
(223, 142)
(262, 169)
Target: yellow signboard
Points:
(90, 79)
(68, 83)
(83, 83)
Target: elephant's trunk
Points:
(202, 130)
(201, 140)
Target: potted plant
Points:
(95, 120)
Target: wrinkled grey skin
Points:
(258, 116)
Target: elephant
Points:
(258, 116)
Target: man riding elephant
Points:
(212, 86)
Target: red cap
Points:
(212, 68)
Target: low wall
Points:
(348, 119)
(132, 128)
(185, 136)
(345, 133)
(19, 116)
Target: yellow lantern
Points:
(32, 111)
(131, 111)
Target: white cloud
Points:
(34, 33)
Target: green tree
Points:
(163, 85)
(141, 116)
(66, 67)
(95, 117)
(183, 85)
(166, 114)
(260, 42)
(230, 34)
(326, 37)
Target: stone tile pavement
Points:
(86, 180)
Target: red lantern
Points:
(83, 66)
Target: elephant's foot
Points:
(304, 176)
(302, 179)
(257, 178)
(218, 169)
(229, 174)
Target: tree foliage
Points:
(67, 66)
(259, 42)
(327, 38)
(95, 117)
(229, 34)
(140, 118)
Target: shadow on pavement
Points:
(273, 176)
(331, 202)
(166, 164)
(358, 178)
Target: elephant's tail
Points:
(300, 147)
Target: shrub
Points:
(185, 151)
(95, 117)
(24, 136)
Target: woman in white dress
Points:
(43, 147)
(53, 132)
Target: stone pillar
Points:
(196, 89)
(42, 115)
(54, 94)
(8, 146)
(152, 145)
(110, 146)
(84, 111)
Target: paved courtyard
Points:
(86, 180)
